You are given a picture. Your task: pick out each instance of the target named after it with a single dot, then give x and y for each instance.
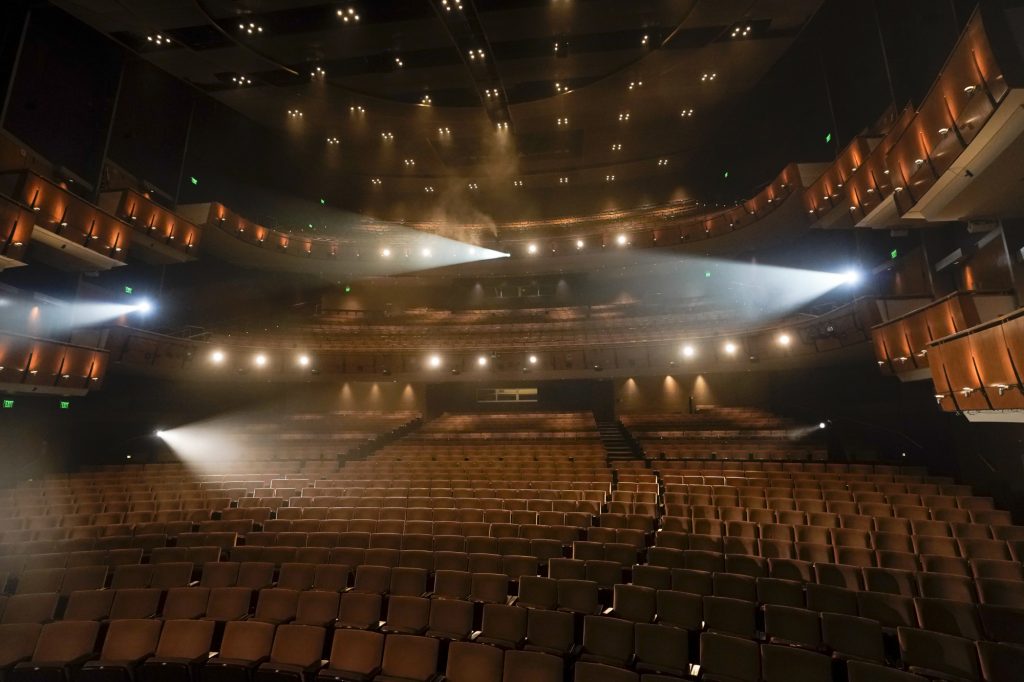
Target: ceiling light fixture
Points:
(348, 15)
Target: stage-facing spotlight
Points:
(852, 277)
(689, 351)
(531, 248)
(729, 348)
(385, 253)
(621, 240)
(217, 357)
(434, 361)
(260, 360)
(579, 243)
(158, 433)
(303, 361)
(822, 425)
(533, 359)
(144, 307)
(784, 340)
(482, 361)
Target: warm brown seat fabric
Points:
(355, 655)
(295, 654)
(408, 658)
(59, 645)
(531, 666)
(474, 663)
(183, 646)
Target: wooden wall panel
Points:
(992, 358)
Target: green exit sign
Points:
(65, 404)
(194, 180)
(128, 290)
(828, 137)
(8, 404)
(894, 254)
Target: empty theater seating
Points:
(506, 547)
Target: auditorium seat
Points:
(183, 647)
(126, 645)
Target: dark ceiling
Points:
(502, 112)
(593, 92)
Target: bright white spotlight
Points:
(260, 360)
(689, 351)
(482, 361)
(435, 361)
(426, 253)
(385, 253)
(579, 243)
(821, 425)
(531, 249)
(730, 348)
(784, 340)
(158, 433)
(852, 277)
(533, 359)
(145, 306)
(303, 361)
(621, 240)
(217, 357)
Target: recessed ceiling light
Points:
(348, 15)
(708, 76)
(251, 28)
(158, 39)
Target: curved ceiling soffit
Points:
(203, 6)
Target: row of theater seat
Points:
(624, 638)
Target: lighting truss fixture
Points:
(251, 28)
(517, 183)
(563, 180)
(708, 76)
(491, 93)
(476, 54)
(563, 121)
(503, 125)
(645, 40)
(409, 163)
(429, 189)
(375, 182)
(425, 100)
(617, 147)
(348, 15)
(386, 135)
(741, 31)
(333, 140)
(451, 4)
(158, 39)
(561, 89)
(241, 80)
(318, 72)
(662, 162)
(624, 116)
(609, 178)
(444, 131)
(633, 85)
(398, 62)
(686, 113)
(473, 186)
(294, 113)
(356, 110)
